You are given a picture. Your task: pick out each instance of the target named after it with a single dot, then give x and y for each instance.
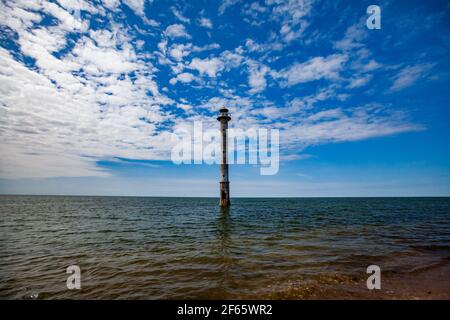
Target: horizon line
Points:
(215, 197)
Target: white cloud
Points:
(162, 46)
(268, 47)
(185, 107)
(206, 47)
(183, 77)
(257, 78)
(292, 14)
(371, 66)
(252, 45)
(100, 59)
(138, 6)
(306, 103)
(209, 67)
(180, 16)
(176, 31)
(232, 59)
(359, 81)
(205, 22)
(337, 125)
(289, 34)
(225, 5)
(313, 69)
(255, 6)
(68, 22)
(353, 38)
(409, 75)
(179, 51)
(253, 9)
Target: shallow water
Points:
(147, 248)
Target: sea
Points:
(189, 248)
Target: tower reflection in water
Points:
(224, 228)
(224, 251)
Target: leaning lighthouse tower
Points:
(223, 118)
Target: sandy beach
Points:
(428, 283)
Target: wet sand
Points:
(427, 283)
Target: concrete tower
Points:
(223, 118)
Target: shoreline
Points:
(424, 284)
(428, 283)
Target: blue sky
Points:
(91, 91)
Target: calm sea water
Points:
(147, 248)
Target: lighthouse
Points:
(223, 118)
